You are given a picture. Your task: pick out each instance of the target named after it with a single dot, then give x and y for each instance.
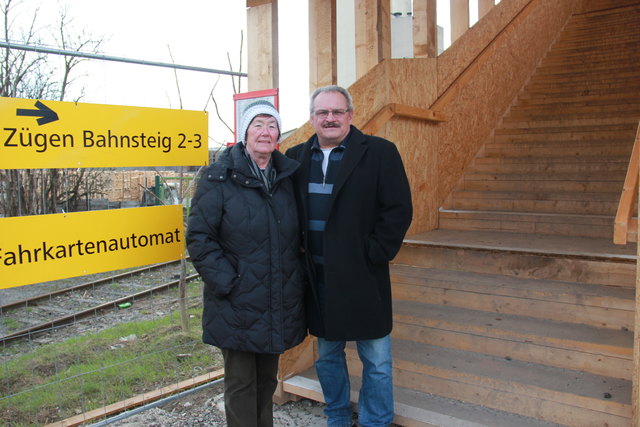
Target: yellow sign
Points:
(53, 134)
(40, 248)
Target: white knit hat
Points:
(254, 109)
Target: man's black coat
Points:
(370, 213)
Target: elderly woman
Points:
(244, 241)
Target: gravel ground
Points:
(206, 408)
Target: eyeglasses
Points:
(323, 114)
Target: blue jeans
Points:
(375, 403)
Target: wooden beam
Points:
(373, 34)
(459, 18)
(139, 400)
(262, 44)
(254, 3)
(384, 29)
(484, 6)
(425, 29)
(392, 110)
(418, 113)
(323, 64)
(378, 120)
(628, 196)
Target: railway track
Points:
(25, 318)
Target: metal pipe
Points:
(56, 51)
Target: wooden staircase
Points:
(519, 309)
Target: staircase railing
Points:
(623, 223)
(392, 110)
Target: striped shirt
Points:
(323, 170)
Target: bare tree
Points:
(236, 88)
(36, 76)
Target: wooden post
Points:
(373, 34)
(262, 43)
(323, 63)
(459, 18)
(484, 6)
(425, 29)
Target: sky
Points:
(197, 33)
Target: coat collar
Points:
(232, 159)
(355, 147)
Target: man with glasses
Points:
(355, 204)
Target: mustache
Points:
(331, 125)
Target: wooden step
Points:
(551, 94)
(546, 136)
(586, 74)
(558, 149)
(569, 133)
(563, 396)
(603, 182)
(584, 164)
(578, 105)
(605, 7)
(606, 176)
(530, 123)
(539, 202)
(602, 48)
(542, 341)
(543, 120)
(562, 108)
(598, 306)
(600, 227)
(476, 183)
(531, 99)
(617, 28)
(599, 41)
(519, 114)
(585, 85)
(591, 59)
(563, 258)
(418, 409)
(593, 66)
(575, 57)
(614, 26)
(609, 49)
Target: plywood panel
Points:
(409, 83)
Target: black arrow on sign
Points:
(46, 114)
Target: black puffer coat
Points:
(245, 244)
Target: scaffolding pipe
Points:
(56, 51)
